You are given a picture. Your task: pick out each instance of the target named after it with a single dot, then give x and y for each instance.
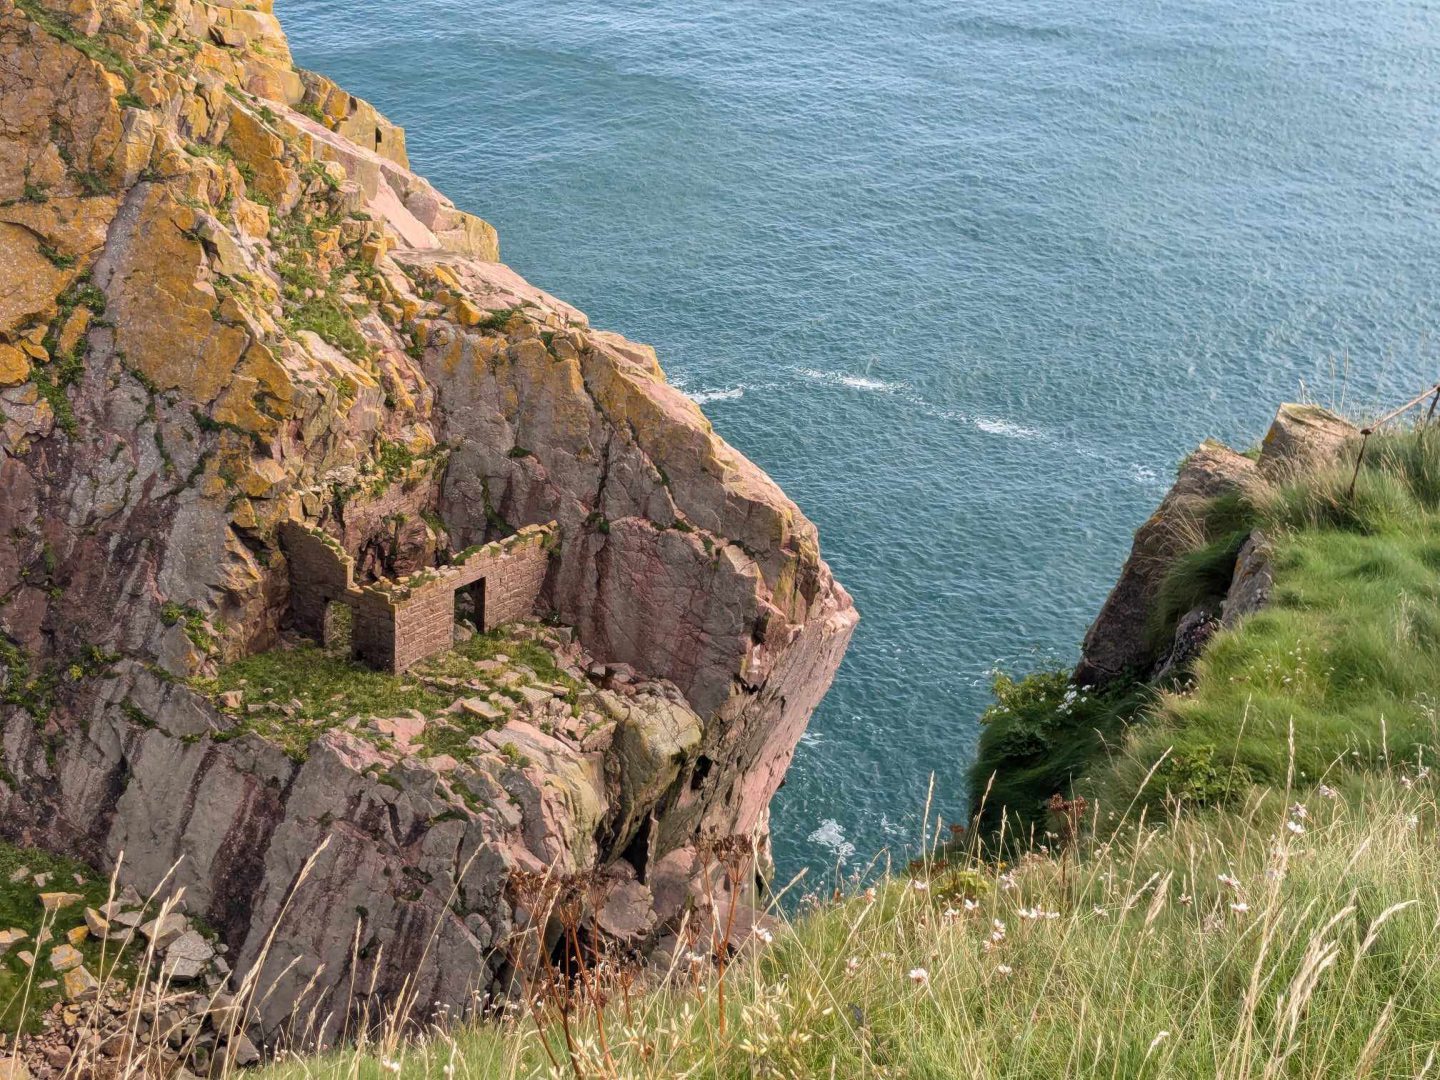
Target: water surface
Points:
(967, 277)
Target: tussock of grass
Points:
(1274, 941)
(1041, 736)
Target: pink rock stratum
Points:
(226, 303)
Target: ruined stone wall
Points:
(514, 570)
(399, 623)
(320, 572)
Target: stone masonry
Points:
(398, 623)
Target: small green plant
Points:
(96, 50)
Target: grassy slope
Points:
(1348, 652)
(330, 687)
(1145, 968)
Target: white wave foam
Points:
(1008, 428)
(852, 382)
(831, 835)
(810, 739)
(700, 397)
(1143, 474)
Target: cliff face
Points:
(226, 303)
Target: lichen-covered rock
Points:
(1303, 437)
(1252, 582)
(229, 304)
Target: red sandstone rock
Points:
(143, 507)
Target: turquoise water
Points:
(967, 278)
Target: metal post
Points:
(1364, 438)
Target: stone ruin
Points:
(396, 624)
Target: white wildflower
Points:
(919, 976)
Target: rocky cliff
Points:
(1204, 562)
(226, 303)
(1129, 637)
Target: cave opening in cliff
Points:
(702, 770)
(637, 852)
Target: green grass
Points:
(1348, 651)
(325, 687)
(322, 312)
(1129, 956)
(94, 49)
(1039, 737)
(20, 908)
(329, 688)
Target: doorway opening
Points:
(470, 606)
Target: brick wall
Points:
(397, 624)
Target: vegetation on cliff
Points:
(1223, 867)
(1346, 651)
(1287, 937)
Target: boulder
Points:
(1252, 582)
(80, 985)
(65, 957)
(187, 957)
(1192, 633)
(654, 741)
(164, 929)
(1302, 438)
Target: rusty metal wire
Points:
(1366, 432)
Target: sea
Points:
(968, 278)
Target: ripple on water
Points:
(967, 278)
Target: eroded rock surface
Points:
(1118, 643)
(226, 304)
